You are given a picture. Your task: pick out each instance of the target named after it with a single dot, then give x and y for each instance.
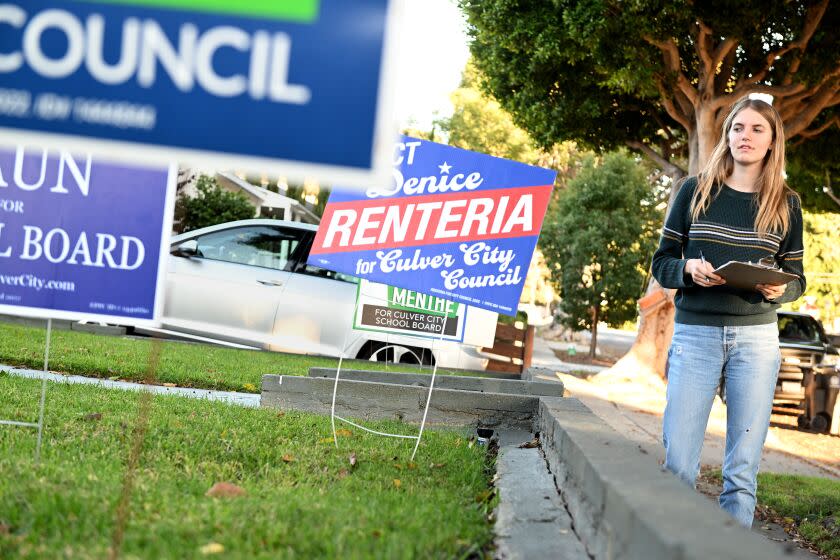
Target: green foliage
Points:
(304, 498)
(297, 192)
(213, 205)
(600, 72)
(812, 165)
(480, 124)
(822, 263)
(601, 234)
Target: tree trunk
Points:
(649, 353)
(593, 342)
(707, 136)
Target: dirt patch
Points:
(581, 358)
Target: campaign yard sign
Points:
(82, 238)
(393, 310)
(258, 84)
(451, 223)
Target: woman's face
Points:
(750, 137)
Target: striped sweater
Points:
(726, 232)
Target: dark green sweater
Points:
(726, 232)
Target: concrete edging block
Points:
(461, 383)
(622, 502)
(367, 400)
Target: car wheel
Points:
(395, 354)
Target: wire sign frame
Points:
(39, 425)
(334, 416)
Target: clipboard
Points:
(746, 275)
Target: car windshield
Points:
(799, 329)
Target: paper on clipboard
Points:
(746, 275)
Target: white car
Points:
(247, 282)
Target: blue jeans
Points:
(747, 359)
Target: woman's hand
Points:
(703, 273)
(771, 291)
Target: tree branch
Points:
(812, 21)
(811, 25)
(663, 125)
(779, 92)
(814, 106)
(820, 129)
(713, 60)
(788, 106)
(671, 56)
(657, 158)
(827, 189)
(670, 108)
(707, 71)
(726, 72)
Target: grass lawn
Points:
(186, 365)
(810, 505)
(805, 505)
(304, 499)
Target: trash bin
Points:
(822, 386)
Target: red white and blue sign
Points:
(82, 238)
(452, 223)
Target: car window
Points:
(302, 267)
(798, 329)
(263, 246)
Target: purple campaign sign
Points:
(452, 223)
(82, 238)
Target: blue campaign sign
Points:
(82, 238)
(450, 223)
(289, 87)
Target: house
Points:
(269, 204)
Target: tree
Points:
(602, 231)
(657, 77)
(480, 124)
(814, 170)
(212, 205)
(822, 264)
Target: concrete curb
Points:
(625, 506)
(369, 401)
(110, 330)
(481, 385)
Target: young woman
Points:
(738, 209)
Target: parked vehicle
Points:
(247, 282)
(809, 377)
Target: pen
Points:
(703, 260)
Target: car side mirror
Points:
(187, 249)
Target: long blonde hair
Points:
(773, 192)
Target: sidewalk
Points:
(636, 412)
(241, 399)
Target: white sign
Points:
(393, 310)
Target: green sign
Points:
(304, 11)
(410, 300)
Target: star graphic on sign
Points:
(445, 168)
